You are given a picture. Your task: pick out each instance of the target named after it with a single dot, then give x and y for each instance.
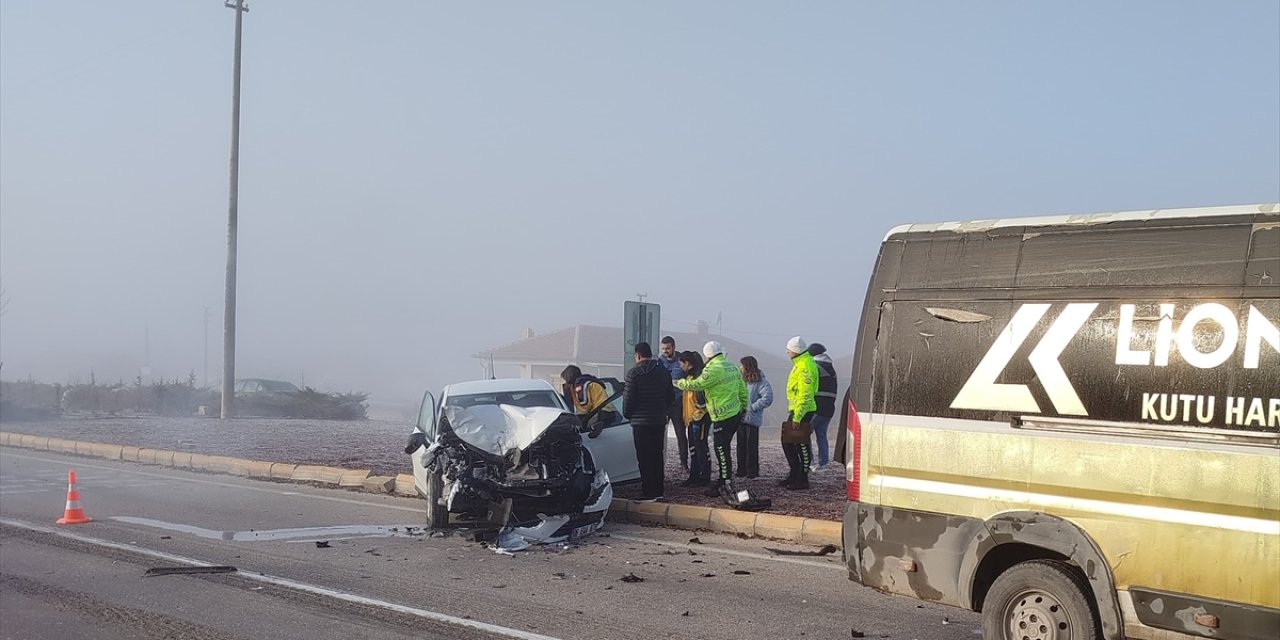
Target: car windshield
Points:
(527, 399)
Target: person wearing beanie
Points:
(726, 401)
(825, 399)
(645, 399)
(802, 385)
(797, 345)
(710, 349)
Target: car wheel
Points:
(1039, 600)
(437, 514)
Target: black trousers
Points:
(722, 435)
(699, 453)
(799, 456)
(749, 450)
(650, 437)
(676, 413)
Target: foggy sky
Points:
(422, 181)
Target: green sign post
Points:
(641, 322)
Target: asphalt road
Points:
(381, 576)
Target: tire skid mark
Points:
(154, 625)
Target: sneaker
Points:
(647, 500)
(797, 485)
(785, 481)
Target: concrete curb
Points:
(812, 531)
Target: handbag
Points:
(796, 432)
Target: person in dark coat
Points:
(826, 399)
(670, 358)
(645, 401)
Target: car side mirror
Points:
(417, 439)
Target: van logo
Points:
(982, 391)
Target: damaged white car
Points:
(509, 455)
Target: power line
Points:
(732, 332)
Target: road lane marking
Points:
(507, 632)
(215, 483)
(419, 510)
(340, 532)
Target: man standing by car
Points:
(670, 358)
(726, 402)
(645, 400)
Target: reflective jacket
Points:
(802, 384)
(722, 382)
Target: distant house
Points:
(598, 351)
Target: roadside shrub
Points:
(39, 401)
(307, 403)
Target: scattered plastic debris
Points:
(695, 541)
(322, 544)
(631, 577)
(740, 572)
(826, 550)
(509, 540)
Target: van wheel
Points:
(437, 514)
(1039, 600)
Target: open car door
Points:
(614, 449)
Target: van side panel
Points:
(1182, 522)
(1122, 377)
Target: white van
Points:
(1072, 424)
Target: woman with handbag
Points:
(802, 388)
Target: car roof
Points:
(496, 386)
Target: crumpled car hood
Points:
(501, 429)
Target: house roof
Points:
(595, 345)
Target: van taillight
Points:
(855, 453)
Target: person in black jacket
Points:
(645, 399)
(826, 399)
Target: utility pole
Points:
(229, 305)
(206, 347)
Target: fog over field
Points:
(424, 181)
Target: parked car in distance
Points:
(263, 385)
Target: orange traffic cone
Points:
(73, 514)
